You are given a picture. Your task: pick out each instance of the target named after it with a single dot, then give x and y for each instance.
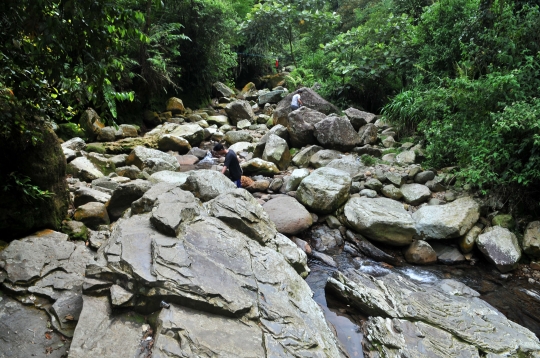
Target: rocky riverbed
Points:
(163, 256)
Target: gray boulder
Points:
(302, 158)
(83, 169)
(447, 221)
(301, 126)
(415, 194)
(239, 110)
(222, 90)
(278, 130)
(277, 151)
(380, 219)
(271, 97)
(233, 137)
(531, 239)
(207, 184)
(310, 99)
(359, 118)
(324, 238)
(295, 179)
(447, 324)
(325, 190)
(322, 157)
(368, 134)
(500, 246)
(124, 195)
(420, 253)
(348, 164)
(257, 166)
(336, 133)
(289, 216)
(192, 132)
(140, 157)
(175, 143)
(406, 157)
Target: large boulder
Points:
(415, 194)
(359, 118)
(222, 90)
(380, 219)
(277, 151)
(257, 166)
(124, 195)
(302, 158)
(500, 246)
(233, 137)
(83, 169)
(192, 132)
(449, 322)
(322, 157)
(301, 126)
(143, 157)
(207, 184)
(278, 130)
(239, 110)
(44, 164)
(225, 291)
(335, 132)
(271, 97)
(91, 123)
(289, 216)
(310, 99)
(49, 266)
(447, 221)
(348, 164)
(368, 134)
(531, 239)
(175, 106)
(325, 190)
(175, 143)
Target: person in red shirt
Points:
(277, 65)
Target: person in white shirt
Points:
(296, 101)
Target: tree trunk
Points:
(290, 44)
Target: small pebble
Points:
(532, 280)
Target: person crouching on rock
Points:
(296, 101)
(231, 163)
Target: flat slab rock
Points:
(406, 316)
(233, 270)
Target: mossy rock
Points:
(96, 148)
(504, 220)
(66, 131)
(45, 165)
(293, 151)
(76, 230)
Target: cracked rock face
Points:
(230, 278)
(47, 271)
(407, 318)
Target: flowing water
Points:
(517, 298)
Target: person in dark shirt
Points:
(231, 163)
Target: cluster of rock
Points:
(220, 269)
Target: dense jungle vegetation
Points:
(464, 75)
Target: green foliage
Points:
(368, 159)
(28, 192)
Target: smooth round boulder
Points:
(420, 253)
(325, 190)
(500, 246)
(415, 194)
(92, 215)
(289, 216)
(531, 240)
(258, 166)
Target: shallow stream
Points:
(515, 297)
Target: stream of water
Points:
(516, 298)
